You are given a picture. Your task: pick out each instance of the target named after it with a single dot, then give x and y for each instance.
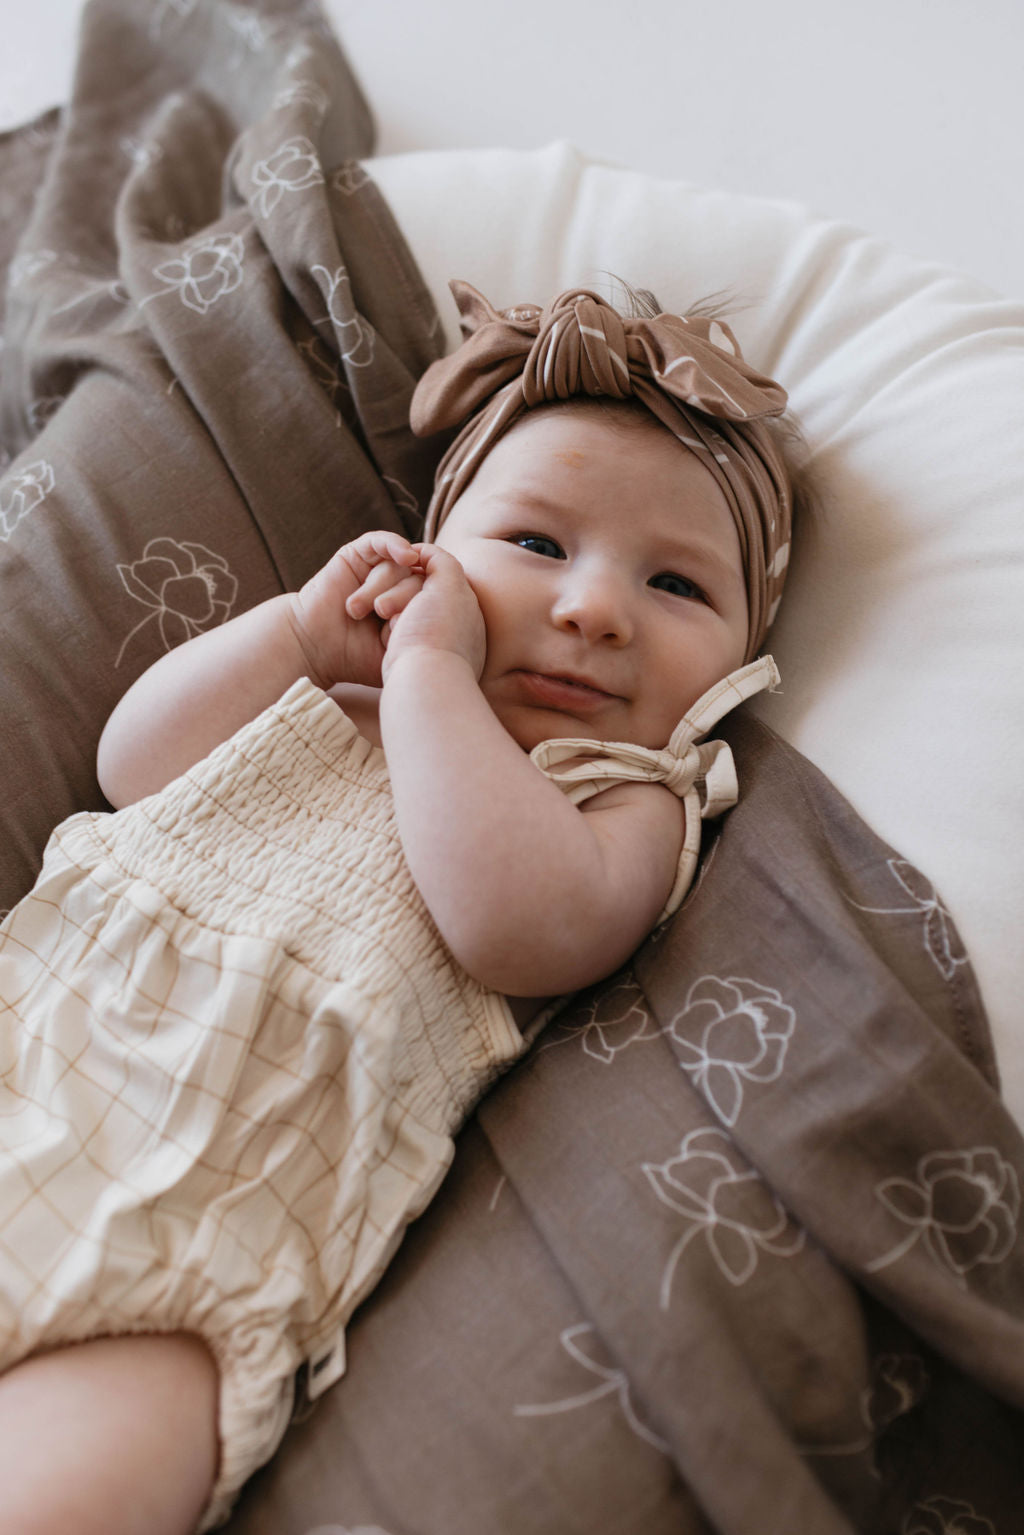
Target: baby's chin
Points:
(529, 732)
(530, 722)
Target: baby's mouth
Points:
(558, 691)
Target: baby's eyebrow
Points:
(534, 498)
(684, 548)
(706, 558)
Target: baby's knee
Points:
(116, 1436)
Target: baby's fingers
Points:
(398, 597)
(370, 550)
(378, 581)
(382, 544)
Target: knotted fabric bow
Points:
(701, 773)
(516, 359)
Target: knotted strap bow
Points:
(701, 773)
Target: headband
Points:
(515, 359)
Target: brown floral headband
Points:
(515, 359)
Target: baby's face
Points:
(607, 567)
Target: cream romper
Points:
(234, 1051)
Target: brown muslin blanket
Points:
(736, 1247)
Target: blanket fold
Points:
(736, 1247)
(211, 332)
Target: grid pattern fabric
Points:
(234, 1050)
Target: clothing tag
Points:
(325, 1367)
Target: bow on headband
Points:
(711, 399)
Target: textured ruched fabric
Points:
(236, 1049)
(234, 1054)
(713, 401)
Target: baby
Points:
(244, 1015)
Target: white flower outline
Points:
(899, 1382)
(949, 1518)
(612, 1381)
(349, 178)
(198, 285)
(170, 571)
(951, 1236)
(620, 1024)
(744, 1031)
(276, 175)
(98, 288)
(305, 93)
(21, 492)
(356, 338)
(939, 931)
(734, 1244)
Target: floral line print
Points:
(730, 1032)
(112, 289)
(294, 167)
(356, 338)
(303, 93)
(939, 1515)
(325, 368)
(186, 587)
(726, 1202)
(21, 492)
(612, 1382)
(940, 939)
(617, 1020)
(964, 1207)
(208, 268)
(737, 1031)
(349, 178)
(900, 1382)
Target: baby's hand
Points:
(441, 613)
(341, 615)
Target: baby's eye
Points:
(679, 586)
(539, 543)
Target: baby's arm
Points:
(533, 895)
(200, 693)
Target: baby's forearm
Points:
(197, 696)
(509, 868)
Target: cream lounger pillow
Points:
(901, 640)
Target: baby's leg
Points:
(117, 1436)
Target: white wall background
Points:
(905, 117)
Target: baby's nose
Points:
(595, 602)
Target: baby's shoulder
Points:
(643, 805)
